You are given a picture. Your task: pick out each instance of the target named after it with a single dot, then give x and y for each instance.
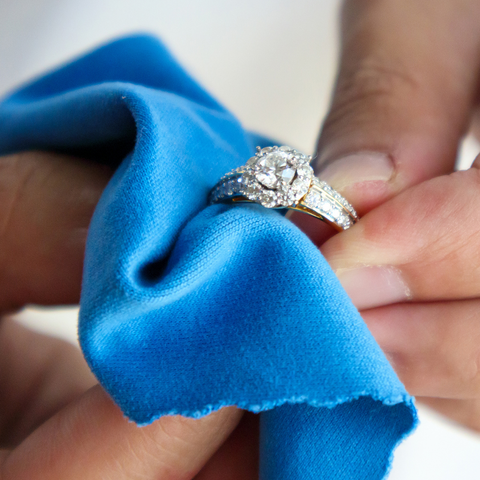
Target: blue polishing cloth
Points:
(187, 308)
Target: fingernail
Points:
(356, 168)
(374, 286)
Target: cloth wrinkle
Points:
(187, 308)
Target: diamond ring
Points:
(281, 177)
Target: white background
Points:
(273, 64)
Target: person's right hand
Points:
(406, 93)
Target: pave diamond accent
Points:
(324, 200)
(335, 195)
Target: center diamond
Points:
(277, 177)
(274, 170)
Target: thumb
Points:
(91, 439)
(46, 203)
(406, 83)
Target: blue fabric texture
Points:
(186, 307)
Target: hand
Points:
(422, 248)
(55, 422)
(405, 95)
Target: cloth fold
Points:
(186, 307)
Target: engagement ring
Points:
(281, 177)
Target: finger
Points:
(39, 375)
(433, 347)
(421, 245)
(46, 202)
(91, 439)
(238, 457)
(406, 83)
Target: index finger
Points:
(91, 439)
(421, 245)
(46, 203)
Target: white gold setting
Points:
(281, 177)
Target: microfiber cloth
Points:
(186, 307)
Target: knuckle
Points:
(457, 210)
(461, 349)
(373, 76)
(371, 86)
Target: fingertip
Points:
(91, 438)
(364, 178)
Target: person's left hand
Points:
(55, 421)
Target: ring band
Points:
(281, 177)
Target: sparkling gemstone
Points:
(274, 169)
(283, 172)
(345, 222)
(266, 150)
(277, 168)
(253, 191)
(336, 213)
(287, 175)
(313, 199)
(325, 205)
(247, 178)
(285, 201)
(304, 171)
(300, 186)
(268, 199)
(267, 178)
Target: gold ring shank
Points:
(301, 207)
(321, 202)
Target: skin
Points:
(55, 421)
(407, 89)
